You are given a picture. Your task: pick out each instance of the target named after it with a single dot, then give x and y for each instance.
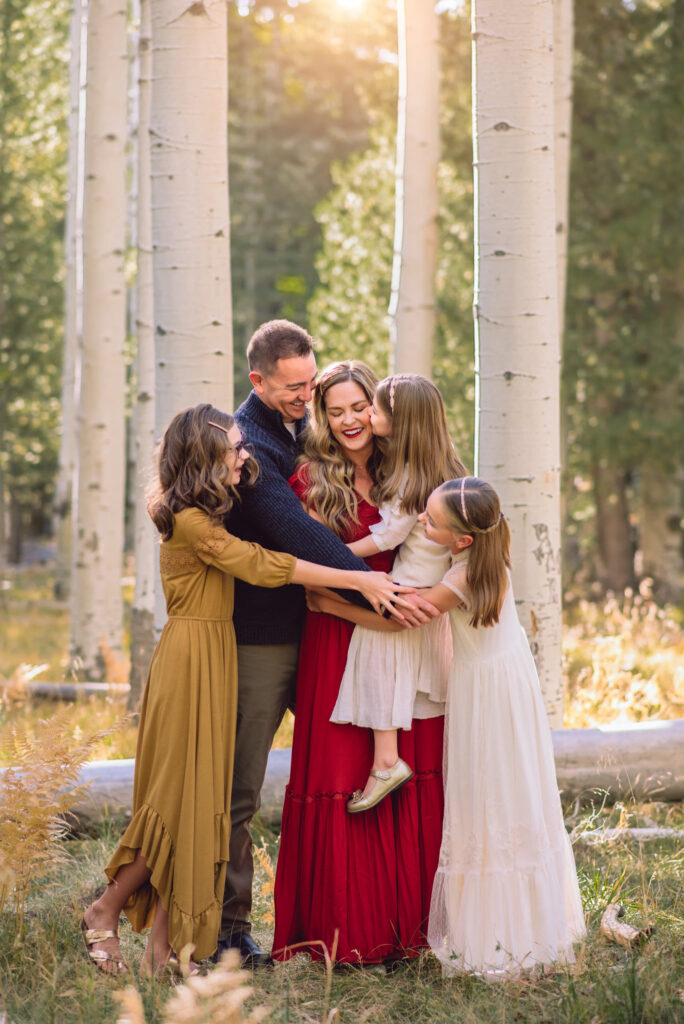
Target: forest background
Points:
(311, 149)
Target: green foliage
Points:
(297, 75)
(348, 310)
(33, 107)
(624, 339)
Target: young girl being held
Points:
(169, 868)
(505, 896)
(393, 677)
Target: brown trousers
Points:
(267, 677)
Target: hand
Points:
(416, 612)
(382, 592)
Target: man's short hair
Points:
(274, 340)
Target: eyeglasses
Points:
(226, 431)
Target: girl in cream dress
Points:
(505, 896)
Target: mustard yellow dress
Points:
(186, 739)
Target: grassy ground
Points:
(45, 976)
(622, 659)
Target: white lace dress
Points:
(505, 895)
(392, 678)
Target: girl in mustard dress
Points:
(169, 868)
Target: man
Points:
(282, 369)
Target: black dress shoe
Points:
(252, 956)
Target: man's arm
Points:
(273, 508)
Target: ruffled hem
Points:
(357, 884)
(148, 834)
(500, 923)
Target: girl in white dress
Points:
(505, 896)
(393, 677)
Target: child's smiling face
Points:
(437, 528)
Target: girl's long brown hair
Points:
(490, 552)
(419, 455)
(192, 468)
(332, 493)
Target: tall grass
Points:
(45, 977)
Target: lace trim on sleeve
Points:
(455, 580)
(394, 526)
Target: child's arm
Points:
(364, 547)
(319, 601)
(393, 528)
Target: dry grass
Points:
(44, 975)
(623, 661)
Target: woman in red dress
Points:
(360, 885)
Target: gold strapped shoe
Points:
(100, 957)
(387, 780)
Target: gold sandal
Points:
(99, 957)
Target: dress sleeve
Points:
(394, 526)
(455, 580)
(213, 545)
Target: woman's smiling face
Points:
(348, 411)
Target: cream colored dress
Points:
(392, 678)
(186, 739)
(505, 895)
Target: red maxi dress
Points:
(359, 884)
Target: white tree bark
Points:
(661, 515)
(190, 218)
(516, 307)
(190, 213)
(96, 578)
(73, 301)
(563, 37)
(412, 305)
(142, 618)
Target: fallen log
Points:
(636, 762)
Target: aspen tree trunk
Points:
(145, 535)
(96, 578)
(563, 37)
(661, 533)
(413, 302)
(190, 214)
(73, 304)
(516, 307)
(613, 529)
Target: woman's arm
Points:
(317, 601)
(377, 587)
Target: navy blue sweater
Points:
(271, 514)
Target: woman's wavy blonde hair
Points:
(332, 492)
(192, 468)
(419, 455)
(472, 507)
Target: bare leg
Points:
(385, 755)
(104, 912)
(158, 950)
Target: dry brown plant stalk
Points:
(36, 795)
(218, 996)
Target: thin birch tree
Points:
(413, 303)
(96, 620)
(142, 617)
(516, 307)
(190, 218)
(73, 301)
(190, 212)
